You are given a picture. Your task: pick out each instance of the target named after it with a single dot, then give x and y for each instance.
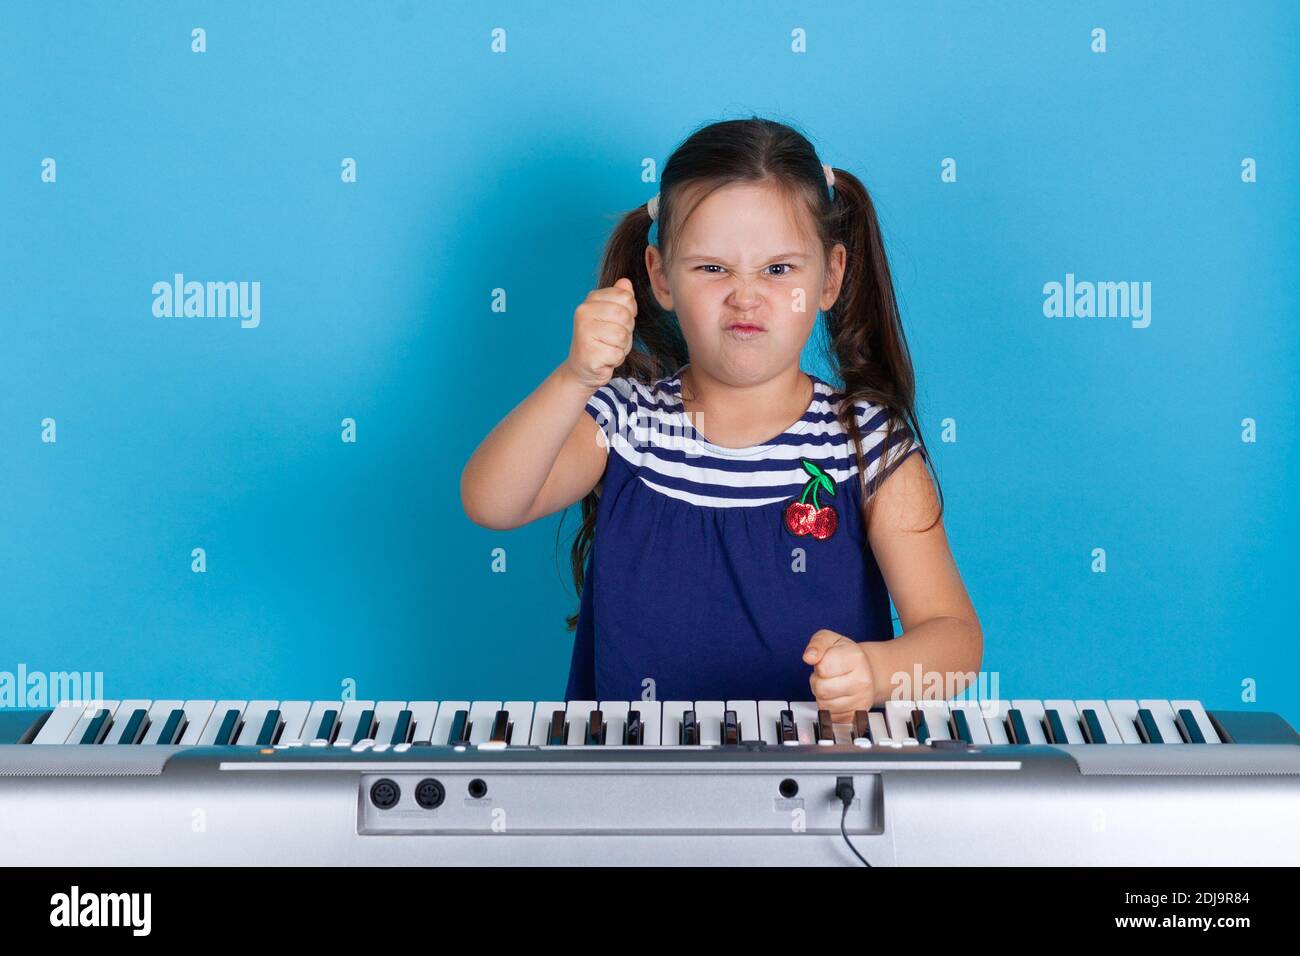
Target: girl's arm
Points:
(941, 632)
(548, 453)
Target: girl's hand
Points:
(602, 334)
(842, 680)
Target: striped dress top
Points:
(711, 567)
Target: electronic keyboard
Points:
(968, 782)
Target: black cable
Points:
(844, 790)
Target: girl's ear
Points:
(834, 276)
(654, 266)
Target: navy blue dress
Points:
(712, 567)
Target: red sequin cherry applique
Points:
(801, 518)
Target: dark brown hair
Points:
(865, 345)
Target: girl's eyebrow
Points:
(779, 255)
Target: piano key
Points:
(898, 715)
(805, 721)
(731, 729)
(916, 722)
(747, 715)
(633, 729)
(995, 720)
(542, 721)
(458, 734)
(446, 720)
(577, 713)
(879, 728)
(91, 713)
(62, 721)
(1104, 718)
(173, 725)
(1092, 730)
(401, 729)
(1163, 716)
(936, 718)
(349, 718)
(769, 720)
(651, 712)
(499, 732)
(861, 727)
(595, 729)
(615, 713)
(228, 729)
(824, 729)
(974, 717)
(708, 714)
(424, 713)
(197, 715)
(1188, 728)
(97, 727)
(670, 727)
(269, 733)
(1124, 714)
(327, 729)
(221, 716)
(1147, 728)
(124, 714)
(558, 734)
(1202, 718)
(481, 715)
(1034, 715)
(1069, 718)
(521, 721)
(251, 721)
(293, 721)
(690, 734)
(159, 712)
(311, 725)
(387, 713)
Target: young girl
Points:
(745, 522)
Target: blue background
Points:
(478, 171)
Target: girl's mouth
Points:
(742, 330)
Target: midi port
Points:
(429, 794)
(385, 793)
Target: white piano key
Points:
(747, 714)
(349, 719)
(1108, 728)
(577, 714)
(879, 728)
(481, 715)
(213, 726)
(1202, 719)
(59, 725)
(197, 715)
(89, 714)
(805, 720)
(769, 720)
(386, 713)
(708, 714)
(424, 713)
(615, 714)
(897, 715)
(979, 732)
(651, 712)
(1069, 719)
(542, 715)
(1164, 717)
(936, 719)
(670, 728)
(995, 720)
(254, 716)
(447, 711)
(1124, 714)
(521, 721)
(294, 715)
(1033, 713)
(159, 711)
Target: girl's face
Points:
(746, 283)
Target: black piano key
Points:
(500, 732)
(919, 729)
(173, 728)
(1147, 729)
(690, 733)
(961, 727)
(730, 729)
(787, 731)
(97, 729)
(403, 728)
(1055, 728)
(558, 734)
(595, 729)
(459, 729)
(861, 725)
(365, 726)
(1188, 727)
(271, 727)
(1018, 732)
(329, 726)
(825, 728)
(634, 730)
(1092, 730)
(135, 727)
(229, 727)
